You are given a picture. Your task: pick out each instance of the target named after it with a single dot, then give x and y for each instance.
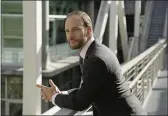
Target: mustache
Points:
(72, 40)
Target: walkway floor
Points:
(157, 104)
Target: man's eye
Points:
(76, 29)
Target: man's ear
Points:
(88, 30)
(85, 31)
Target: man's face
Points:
(75, 31)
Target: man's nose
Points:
(71, 34)
(69, 37)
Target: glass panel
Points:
(64, 7)
(2, 107)
(12, 26)
(20, 57)
(15, 109)
(59, 47)
(6, 56)
(12, 7)
(56, 32)
(14, 85)
(3, 86)
(13, 43)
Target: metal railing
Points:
(133, 67)
(141, 73)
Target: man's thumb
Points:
(51, 83)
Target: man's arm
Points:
(93, 81)
(72, 85)
(74, 88)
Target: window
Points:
(12, 7)
(14, 87)
(2, 107)
(56, 32)
(15, 109)
(3, 87)
(64, 7)
(13, 43)
(12, 25)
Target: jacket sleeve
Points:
(71, 86)
(93, 81)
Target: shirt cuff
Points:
(64, 92)
(53, 98)
(55, 95)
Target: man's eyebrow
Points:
(73, 28)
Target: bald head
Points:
(85, 17)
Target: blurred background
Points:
(151, 16)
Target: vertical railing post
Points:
(32, 43)
(0, 54)
(45, 34)
(143, 87)
(101, 20)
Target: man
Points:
(103, 85)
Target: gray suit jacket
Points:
(103, 87)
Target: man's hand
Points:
(47, 92)
(43, 96)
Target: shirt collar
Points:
(85, 48)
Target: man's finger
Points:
(46, 101)
(51, 83)
(44, 97)
(43, 93)
(41, 86)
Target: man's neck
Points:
(85, 47)
(85, 43)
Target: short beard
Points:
(78, 46)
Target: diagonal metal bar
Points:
(101, 20)
(113, 26)
(123, 29)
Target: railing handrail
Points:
(131, 63)
(146, 67)
(52, 110)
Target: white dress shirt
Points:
(85, 48)
(82, 54)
